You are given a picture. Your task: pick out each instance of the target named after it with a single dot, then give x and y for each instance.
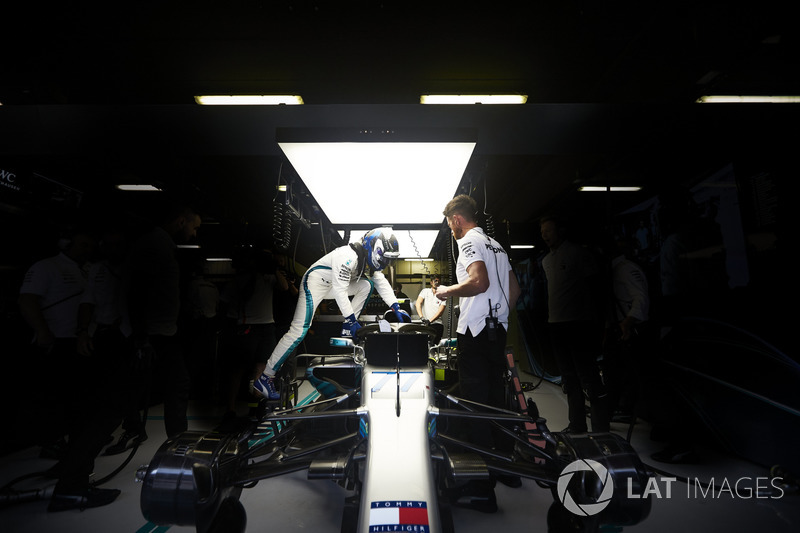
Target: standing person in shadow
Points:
(576, 328)
(49, 297)
(627, 339)
(153, 297)
(49, 301)
(247, 302)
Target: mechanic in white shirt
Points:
(488, 289)
(430, 308)
(627, 330)
(52, 289)
(49, 300)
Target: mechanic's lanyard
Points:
(62, 300)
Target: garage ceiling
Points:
(92, 94)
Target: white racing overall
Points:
(337, 276)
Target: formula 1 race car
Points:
(389, 436)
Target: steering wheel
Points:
(418, 328)
(366, 330)
(405, 328)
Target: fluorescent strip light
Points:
(521, 246)
(219, 260)
(592, 188)
(473, 98)
(137, 187)
(423, 238)
(359, 183)
(188, 246)
(424, 260)
(249, 99)
(730, 99)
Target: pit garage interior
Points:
(94, 96)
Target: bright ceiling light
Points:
(521, 246)
(249, 99)
(406, 180)
(731, 99)
(473, 98)
(603, 188)
(415, 244)
(137, 187)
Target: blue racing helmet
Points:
(381, 247)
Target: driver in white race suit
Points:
(338, 275)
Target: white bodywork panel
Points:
(398, 492)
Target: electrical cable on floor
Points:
(126, 461)
(8, 495)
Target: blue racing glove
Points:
(401, 315)
(350, 326)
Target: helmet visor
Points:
(385, 258)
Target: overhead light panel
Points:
(604, 188)
(473, 99)
(379, 177)
(731, 99)
(521, 246)
(137, 187)
(249, 99)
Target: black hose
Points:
(130, 455)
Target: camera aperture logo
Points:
(585, 509)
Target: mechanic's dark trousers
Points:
(622, 372)
(438, 327)
(481, 377)
(245, 346)
(171, 378)
(577, 346)
(101, 414)
(67, 411)
(164, 379)
(78, 464)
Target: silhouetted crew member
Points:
(575, 325)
